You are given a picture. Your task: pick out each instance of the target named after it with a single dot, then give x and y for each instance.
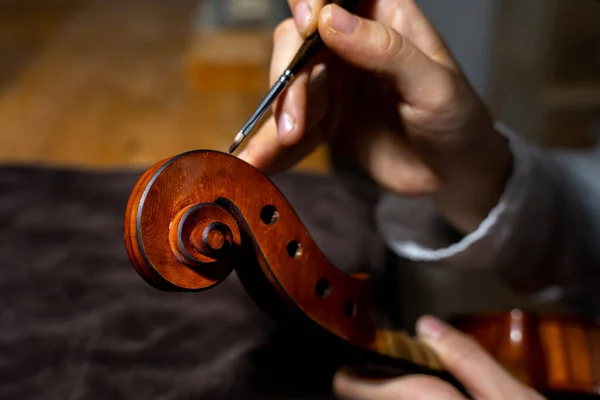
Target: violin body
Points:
(558, 355)
(195, 218)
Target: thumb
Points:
(477, 370)
(373, 46)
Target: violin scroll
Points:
(194, 218)
(177, 241)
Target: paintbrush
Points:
(311, 46)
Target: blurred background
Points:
(122, 84)
(93, 92)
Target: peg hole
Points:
(269, 215)
(350, 309)
(294, 249)
(323, 288)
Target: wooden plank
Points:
(109, 87)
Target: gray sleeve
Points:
(542, 237)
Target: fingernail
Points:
(431, 327)
(342, 21)
(302, 15)
(286, 125)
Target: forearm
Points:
(467, 199)
(539, 236)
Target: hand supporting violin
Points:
(480, 374)
(390, 97)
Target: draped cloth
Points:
(77, 322)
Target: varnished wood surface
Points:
(182, 202)
(269, 247)
(114, 84)
(553, 353)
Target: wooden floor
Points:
(118, 84)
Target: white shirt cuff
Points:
(418, 242)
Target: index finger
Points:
(305, 14)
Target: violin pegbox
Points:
(194, 218)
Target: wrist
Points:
(467, 199)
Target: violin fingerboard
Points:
(399, 344)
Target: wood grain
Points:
(268, 246)
(552, 353)
(110, 84)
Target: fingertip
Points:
(304, 17)
(334, 20)
(324, 23)
(361, 42)
(340, 32)
(250, 157)
(431, 327)
(324, 17)
(305, 14)
(243, 155)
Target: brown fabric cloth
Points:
(76, 321)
